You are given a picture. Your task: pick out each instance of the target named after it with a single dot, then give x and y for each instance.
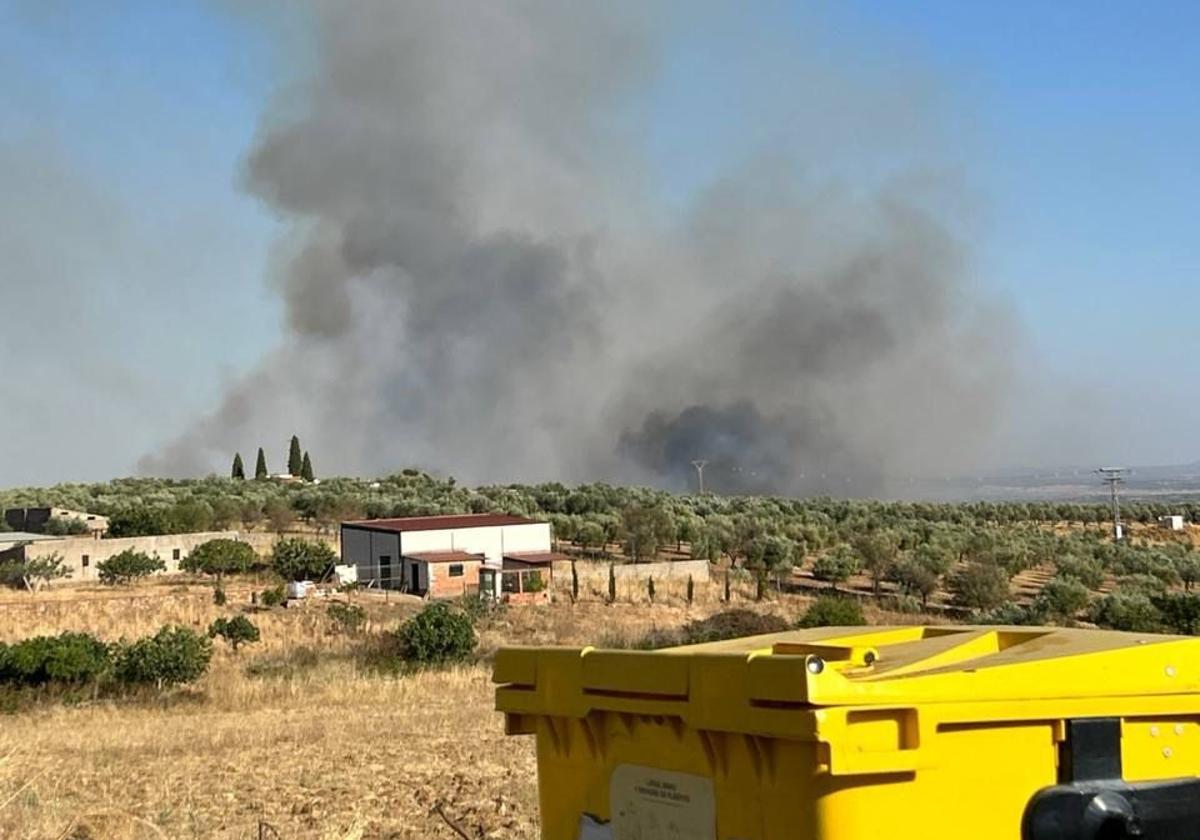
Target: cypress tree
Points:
(295, 462)
(306, 468)
(260, 467)
(238, 471)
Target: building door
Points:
(385, 571)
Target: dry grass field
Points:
(289, 738)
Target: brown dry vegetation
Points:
(312, 746)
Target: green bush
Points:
(172, 656)
(237, 631)
(1086, 570)
(980, 586)
(838, 566)
(1181, 613)
(71, 658)
(1008, 614)
(1129, 611)
(347, 618)
(127, 566)
(1061, 599)
(833, 611)
(273, 597)
(436, 636)
(299, 559)
(907, 604)
(219, 558)
(219, 596)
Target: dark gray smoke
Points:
(479, 279)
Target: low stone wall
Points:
(590, 571)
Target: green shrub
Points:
(980, 586)
(1129, 611)
(1181, 613)
(299, 559)
(273, 597)
(1086, 570)
(437, 635)
(219, 596)
(837, 566)
(71, 658)
(833, 611)
(172, 656)
(1008, 614)
(127, 566)
(1148, 585)
(1061, 599)
(347, 618)
(219, 558)
(907, 604)
(237, 631)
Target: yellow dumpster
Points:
(871, 733)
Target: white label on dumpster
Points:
(591, 828)
(652, 804)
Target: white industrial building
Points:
(447, 556)
(1173, 522)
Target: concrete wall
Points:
(81, 554)
(591, 572)
(264, 541)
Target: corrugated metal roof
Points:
(438, 523)
(536, 558)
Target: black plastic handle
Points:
(1115, 810)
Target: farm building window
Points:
(175, 554)
(86, 559)
(456, 570)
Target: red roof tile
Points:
(437, 523)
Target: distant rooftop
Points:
(438, 523)
(8, 537)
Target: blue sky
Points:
(124, 126)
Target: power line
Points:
(1114, 478)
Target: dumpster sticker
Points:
(591, 828)
(652, 804)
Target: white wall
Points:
(493, 542)
(74, 549)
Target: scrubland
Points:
(292, 737)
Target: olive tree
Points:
(219, 558)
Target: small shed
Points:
(1173, 522)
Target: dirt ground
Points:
(289, 738)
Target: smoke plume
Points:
(481, 276)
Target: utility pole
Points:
(1113, 477)
(699, 464)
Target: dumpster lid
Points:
(865, 665)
